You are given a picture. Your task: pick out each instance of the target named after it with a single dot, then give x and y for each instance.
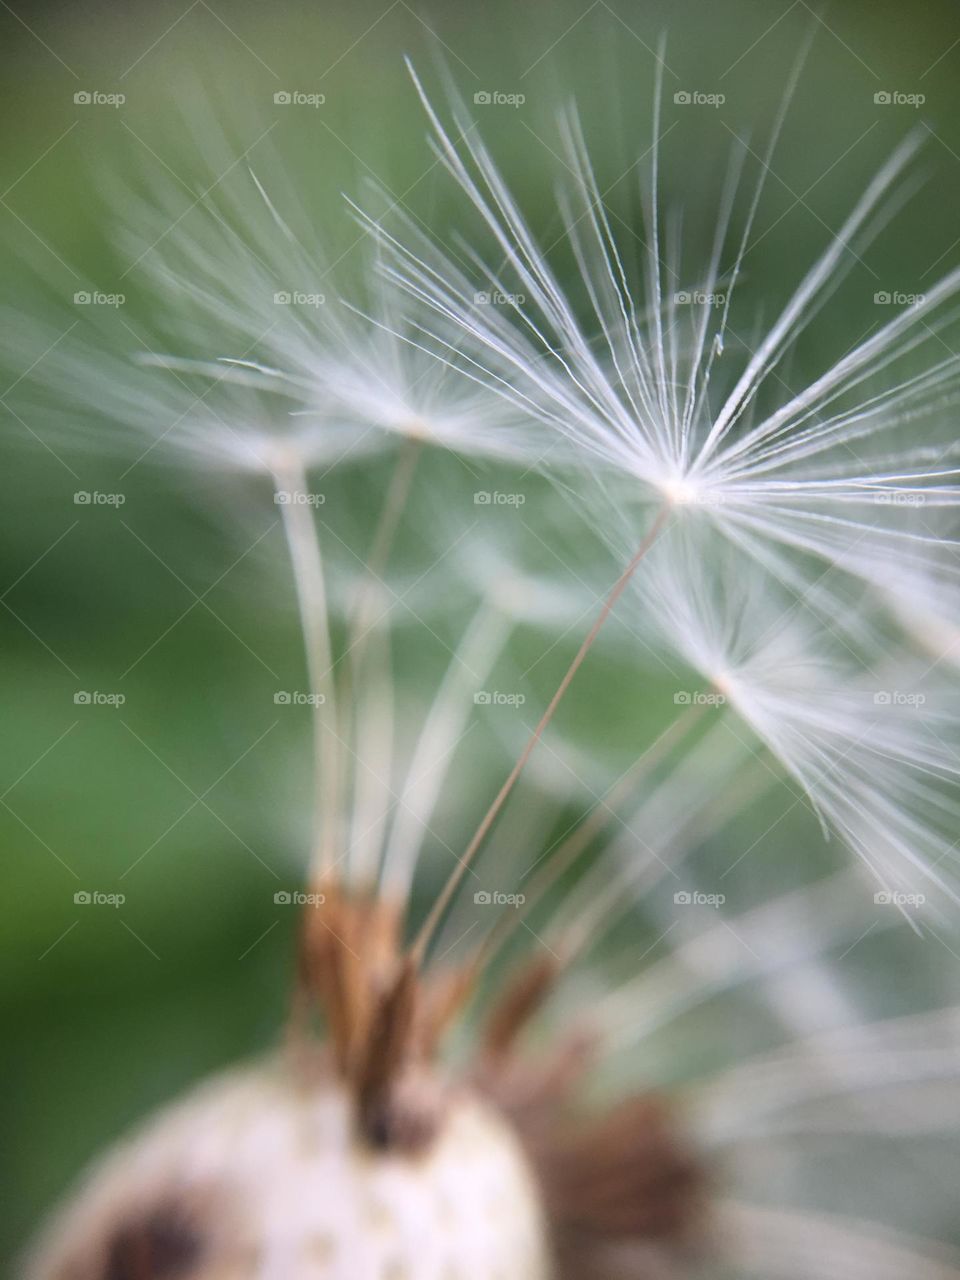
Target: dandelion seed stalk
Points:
(446, 895)
(306, 560)
(483, 641)
(542, 878)
(383, 539)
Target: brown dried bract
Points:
(349, 959)
(522, 999)
(384, 1016)
(621, 1174)
(614, 1182)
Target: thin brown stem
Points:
(445, 896)
(538, 882)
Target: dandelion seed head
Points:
(868, 731)
(299, 1159)
(639, 381)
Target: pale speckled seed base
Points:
(283, 1193)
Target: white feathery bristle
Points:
(870, 735)
(257, 344)
(831, 469)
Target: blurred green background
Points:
(107, 1012)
